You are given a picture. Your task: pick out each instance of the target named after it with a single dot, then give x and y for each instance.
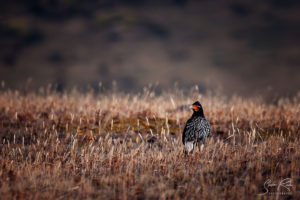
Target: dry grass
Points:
(120, 146)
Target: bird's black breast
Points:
(197, 128)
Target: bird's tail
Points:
(189, 146)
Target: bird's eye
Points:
(196, 107)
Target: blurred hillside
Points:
(246, 47)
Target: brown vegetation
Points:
(121, 146)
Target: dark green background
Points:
(246, 47)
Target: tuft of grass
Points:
(121, 146)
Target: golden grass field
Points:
(124, 146)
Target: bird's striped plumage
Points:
(197, 128)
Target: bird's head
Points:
(197, 108)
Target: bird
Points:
(196, 129)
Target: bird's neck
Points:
(199, 113)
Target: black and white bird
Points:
(196, 130)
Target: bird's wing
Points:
(188, 131)
(203, 128)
